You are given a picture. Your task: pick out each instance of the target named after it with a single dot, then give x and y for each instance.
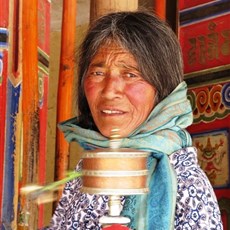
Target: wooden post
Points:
(43, 74)
(30, 106)
(160, 8)
(66, 79)
(100, 7)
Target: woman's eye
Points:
(131, 75)
(97, 73)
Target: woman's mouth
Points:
(108, 111)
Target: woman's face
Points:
(117, 95)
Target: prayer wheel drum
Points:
(114, 171)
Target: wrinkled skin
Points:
(116, 92)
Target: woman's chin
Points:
(109, 132)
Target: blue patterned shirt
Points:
(196, 206)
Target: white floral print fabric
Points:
(196, 206)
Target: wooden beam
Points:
(160, 8)
(100, 7)
(30, 106)
(66, 80)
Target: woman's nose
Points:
(113, 87)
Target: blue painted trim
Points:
(13, 94)
(4, 35)
(204, 12)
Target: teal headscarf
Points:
(162, 133)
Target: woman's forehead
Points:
(112, 51)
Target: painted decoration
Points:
(206, 44)
(9, 189)
(204, 31)
(187, 4)
(213, 156)
(4, 11)
(23, 144)
(210, 102)
(3, 37)
(3, 80)
(210, 134)
(204, 37)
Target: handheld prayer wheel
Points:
(114, 172)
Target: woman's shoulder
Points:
(188, 170)
(185, 161)
(182, 156)
(196, 201)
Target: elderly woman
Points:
(130, 75)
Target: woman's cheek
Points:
(135, 94)
(89, 88)
(139, 93)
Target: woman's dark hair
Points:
(150, 40)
